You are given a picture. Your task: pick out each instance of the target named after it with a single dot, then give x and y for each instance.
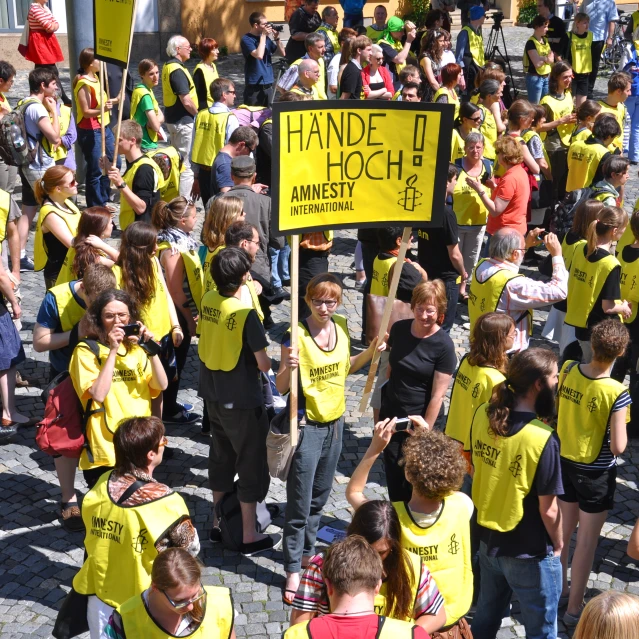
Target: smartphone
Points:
(402, 423)
(131, 329)
(150, 347)
(542, 235)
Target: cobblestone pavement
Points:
(38, 559)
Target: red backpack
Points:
(61, 431)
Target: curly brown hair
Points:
(433, 464)
(609, 340)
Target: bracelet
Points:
(482, 193)
(176, 329)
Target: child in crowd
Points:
(579, 55)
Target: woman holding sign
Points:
(323, 361)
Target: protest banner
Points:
(113, 25)
(350, 164)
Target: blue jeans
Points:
(279, 265)
(537, 87)
(632, 104)
(537, 584)
(97, 185)
(308, 487)
(452, 297)
(353, 20)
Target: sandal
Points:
(71, 517)
(288, 601)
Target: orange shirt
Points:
(514, 187)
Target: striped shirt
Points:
(41, 19)
(311, 594)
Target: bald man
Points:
(307, 79)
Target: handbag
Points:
(461, 630)
(279, 450)
(375, 309)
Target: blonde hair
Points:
(510, 149)
(609, 217)
(610, 615)
(221, 213)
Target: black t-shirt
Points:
(529, 538)
(557, 29)
(145, 188)
(611, 291)
(177, 114)
(300, 22)
(351, 81)
(263, 154)
(240, 388)
(414, 362)
(389, 55)
(432, 248)
(629, 255)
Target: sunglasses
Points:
(164, 442)
(179, 605)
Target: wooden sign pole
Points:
(295, 278)
(388, 309)
(102, 100)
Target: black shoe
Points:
(280, 293)
(268, 322)
(183, 418)
(206, 428)
(272, 542)
(215, 535)
(286, 282)
(26, 264)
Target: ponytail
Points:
(51, 179)
(166, 215)
(609, 217)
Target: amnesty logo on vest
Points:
(334, 166)
(322, 373)
(112, 24)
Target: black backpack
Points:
(14, 144)
(564, 212)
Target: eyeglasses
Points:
(164, 442)
(185, 46)
(254, 242)
(520, 249)
(330, 304)
(430, 310)
(179, 605)
(116, 316)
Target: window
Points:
(13, 13)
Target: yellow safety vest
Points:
(388, 629)
(628, 236)
(5, 207)
(635, 26)
(315, 94)
(473, 386)
(71, 219)
(476, 44)
(558, 108)
(170, 185)
(5, 102)
(584, 408)
(373, 33)
(457, 147)
(216, 624)
(209, 136)
(529, 135)
(140, 92)
(210, 73)
(69, 311)
(568, 251)
(192, 272)
(120, 543)
(488, 129)
(543, 49)
(580, 49)
(155, 315)
(209, 284)
(222, 322)
(452, 96)
(168, 96)
(127, 214)
(580, 135)
(629, 282)
(483, 297)
(415, 569)
(331, 34)
(583, 161)
(620, 115)
(505, 469)
(381, 275)
(445, 549)
(467, 205)
(93, 84)
(320, 86)
(323, 373)
(585, 282)
(64, 120)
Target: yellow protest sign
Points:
(113, 23)
(348, 164)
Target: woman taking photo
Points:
(324, 344)
(421, 364)
(119, 358)
(446, 94)
(145, 518)
(408, 591)
(596, 295)
(469, 210)
(177, 252)
(205, 71)
(54, 233)
(89, 246)
(430, 59)
(144, 107)
(138, 272)
(176, 604)
(88, 98)
(435, 516)
(480, 370)
(469, 119)
(377, 83)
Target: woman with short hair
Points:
(144, 107)
(377, 83)
(206, 71)
(446, 94)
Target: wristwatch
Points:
(121, 186)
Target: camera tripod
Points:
(492, 48)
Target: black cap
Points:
(243, 166)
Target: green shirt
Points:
(145, 105)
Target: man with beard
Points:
(517, 478)
(497, 286)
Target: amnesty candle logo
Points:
(231, 322)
